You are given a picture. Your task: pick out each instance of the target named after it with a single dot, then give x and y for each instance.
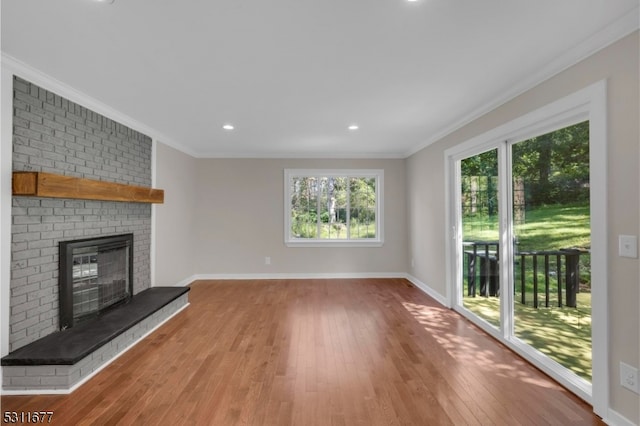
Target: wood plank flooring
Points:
(315, 352)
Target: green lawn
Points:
(545, 228)
(334, 231)
(564, 334)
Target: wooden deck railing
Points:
(482, 259)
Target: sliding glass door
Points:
(527, 253)
(550, 213)
(479, 196)
(523, 245)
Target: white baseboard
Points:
(616, 419)
(427, 290)
(298, 276)
(185, 282)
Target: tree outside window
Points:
(333, 206)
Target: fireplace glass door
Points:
(94, 275)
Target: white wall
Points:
(174, 219)
(240, 221)
(619, 64)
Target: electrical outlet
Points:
(629, 377)
(628, 246)
(267, 260)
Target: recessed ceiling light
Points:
(105, 1)
(353, 127)
(228, 127)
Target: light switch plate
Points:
(628, 246)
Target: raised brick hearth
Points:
(63, 360)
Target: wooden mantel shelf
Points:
(39, 184)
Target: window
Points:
(333, 207)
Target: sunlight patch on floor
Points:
(435, 320)
(563, 334)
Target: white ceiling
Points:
(291, 75)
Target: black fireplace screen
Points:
(95, 274)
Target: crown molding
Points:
(47, 82)
(305, 155)
(619, 29)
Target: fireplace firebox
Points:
(95, 275)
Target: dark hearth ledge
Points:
(69, 346)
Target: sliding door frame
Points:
(586, 104)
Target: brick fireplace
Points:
(52, 134)
(80, 288)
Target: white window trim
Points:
(586, 104)
(378, 174)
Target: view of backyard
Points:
(333, 207)
(552, 241)
(564, 334)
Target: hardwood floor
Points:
(315, 352)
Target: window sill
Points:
(333, 243)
